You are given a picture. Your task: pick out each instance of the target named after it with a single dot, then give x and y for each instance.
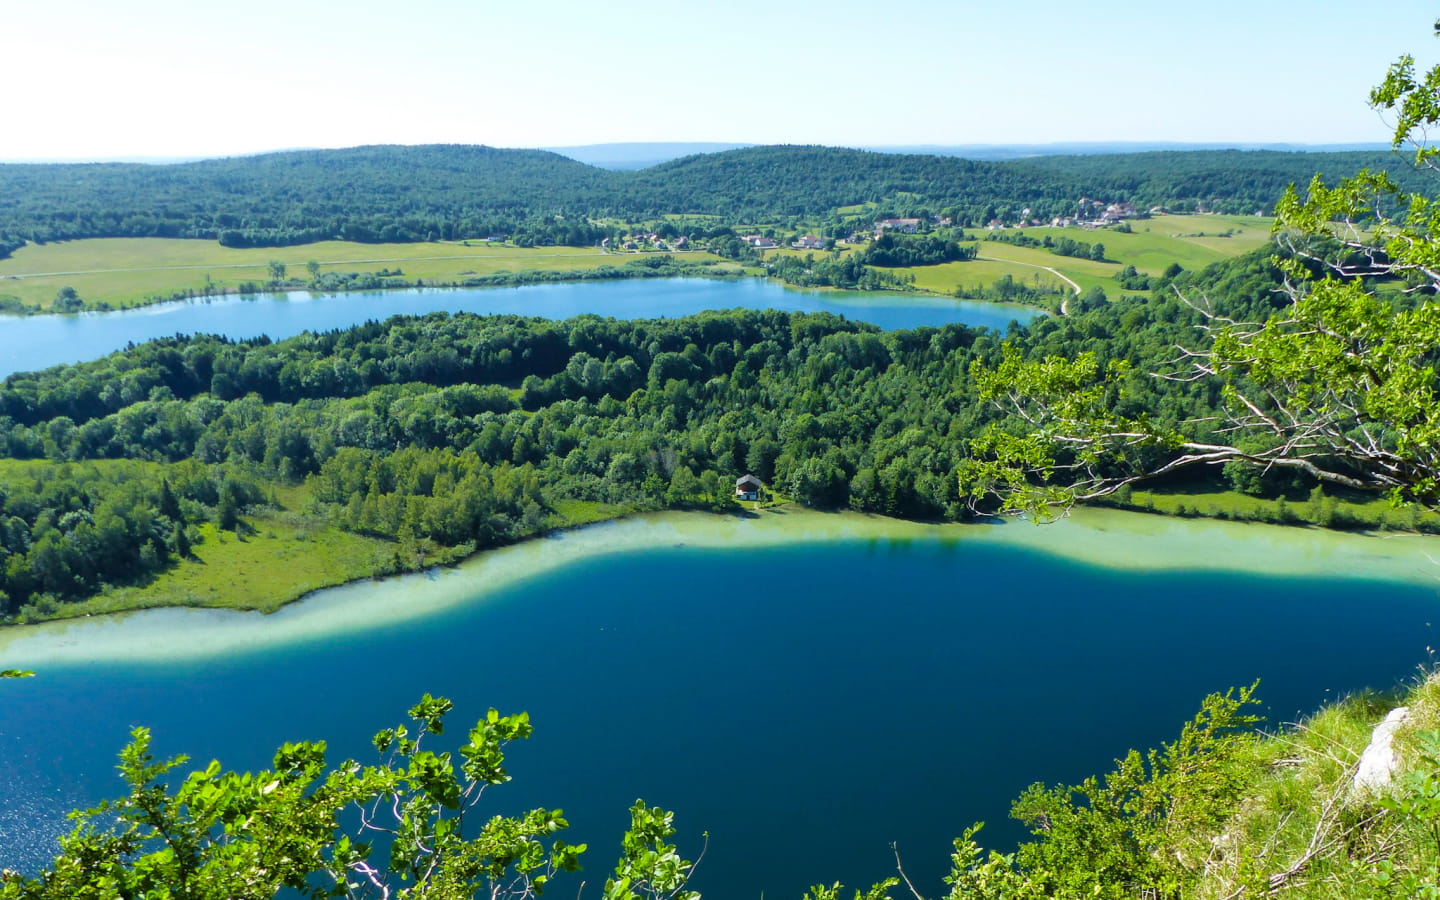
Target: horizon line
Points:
(927, 148)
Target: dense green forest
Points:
(470, 431)
(1224, 178)
(444, 192)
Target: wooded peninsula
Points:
(392, 446)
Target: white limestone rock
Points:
(1378, 762)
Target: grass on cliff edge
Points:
(1303, 832)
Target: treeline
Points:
(1060, 246)
(1008, 289)
(647, 266)
(834, 270)
(67, 531)
(900, 250)
(458, 192)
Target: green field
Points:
(1359, 511)
(284, 555)
(1023, 262)
(1192, 241)
(947, 278)
(127, 272)
(286, 558)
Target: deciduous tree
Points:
(1340, 383)
(405, 826)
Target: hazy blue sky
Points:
(100, 78)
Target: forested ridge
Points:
(469, 431)
(445, 192)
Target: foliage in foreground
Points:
(1224, 813)
(406, 826)
(1221, 812)
(1339, 382)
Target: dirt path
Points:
(1065, 303)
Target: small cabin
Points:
(747, 487)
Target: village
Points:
(1089, 214)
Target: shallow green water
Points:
(807, 702)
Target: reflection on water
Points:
(37, 342)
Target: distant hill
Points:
(629, 156)
(374, 193)
(451, 191)
(624, 157)
(785, 180)
(632, 155)
(1110, 148)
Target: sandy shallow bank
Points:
(1097, 537)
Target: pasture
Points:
(1153, 244)
(125, 272)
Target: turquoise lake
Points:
(37, 342)
(807, 703)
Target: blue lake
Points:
(37, 342)
(807, 704)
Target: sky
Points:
(100, 79)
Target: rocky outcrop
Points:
(1378, 762)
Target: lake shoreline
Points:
(44, 341)
(518, 279)
(1102, 538)
(627, 271)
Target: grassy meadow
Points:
(126, 272)
(968, 277)
(284, 550)
(1338, 508)
(1192, 241)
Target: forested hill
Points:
(396, 193)
(1216, 177)
(788, 180)
(363, 193)
(757, 182)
